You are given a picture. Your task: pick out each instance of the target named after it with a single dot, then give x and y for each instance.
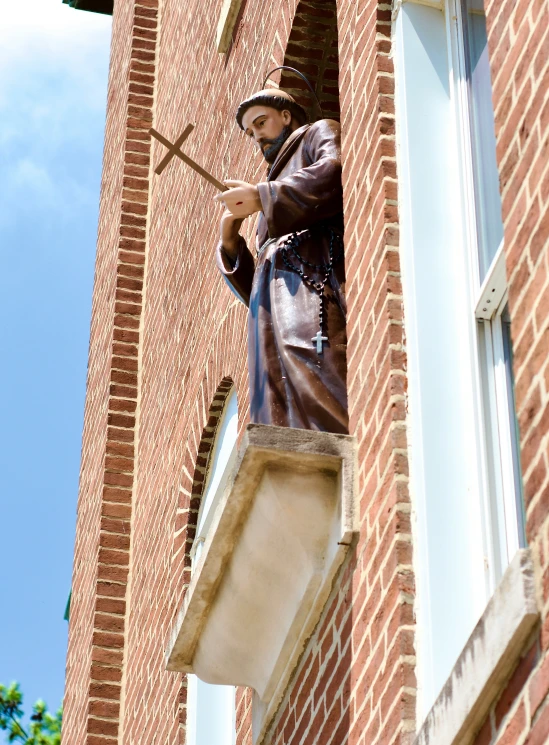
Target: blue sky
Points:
(53, 83)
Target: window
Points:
(210, 713)
(211, 708)
(464, 468)
(490, 304)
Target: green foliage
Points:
(45, 728)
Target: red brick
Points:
(186, 363)
(539, 733)
(105, 691)
(516, 684)
(539, 686)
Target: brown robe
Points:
(291, 385)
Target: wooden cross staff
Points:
(175, 149)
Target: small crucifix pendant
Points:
(319, 339)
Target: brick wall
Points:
(312, 49)
(518, 37)
(355, 682)
(157, 379)
(98, 606)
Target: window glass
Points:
(486, 175)
(513, 423)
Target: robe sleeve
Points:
(312, 193)
(239, 274)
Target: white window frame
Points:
(216, 479)
(498, 402)
(449, 550)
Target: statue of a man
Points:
(295, 289)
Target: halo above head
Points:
(276, 99)
(303, 77)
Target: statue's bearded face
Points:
(269, 128)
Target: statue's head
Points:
(270, 116)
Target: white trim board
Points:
(226, 23)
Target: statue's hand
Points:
(230, 225)
(242, 199)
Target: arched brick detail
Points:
(313, 50)
(222, 373)
(188, 508)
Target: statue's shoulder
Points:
(323, 138)
(324, 128)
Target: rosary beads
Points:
(291, 245)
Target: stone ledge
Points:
(279, 535)
(487, 660)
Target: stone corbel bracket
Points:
(278, 537)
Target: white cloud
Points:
(36, 28)
(53, 72)
(40, 192)
(28, 175)
(46, 35)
